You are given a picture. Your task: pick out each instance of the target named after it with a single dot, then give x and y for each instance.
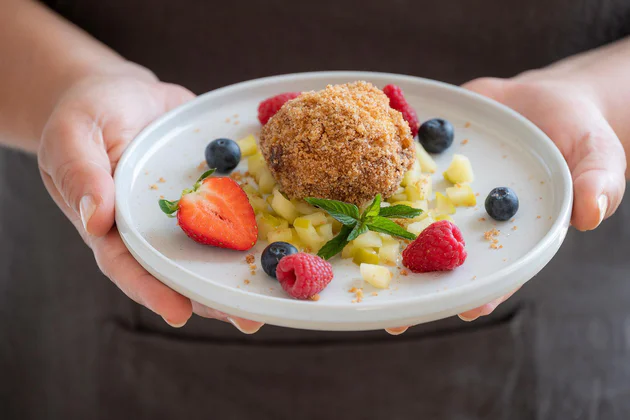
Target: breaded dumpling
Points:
(343, 143)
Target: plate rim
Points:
(138, 245)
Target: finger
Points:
(243, 325)
(73, 154)
(598, 165)
(118, 264)
(396, 330)
(486, 309)
(490, 87)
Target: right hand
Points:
(81, 144)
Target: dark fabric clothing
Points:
(72, 346)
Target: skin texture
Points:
(78, 104)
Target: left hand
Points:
(571, 115)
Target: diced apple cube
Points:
(412, 175)
(258, 203)
(443, 204)
(389, 252)
(444, 217)
(303, 207)
(459, 171)
(316, 219)
(425, 185)
(425, 160)
(348, 252)
(248, 146)
(250, 189)
(255, 163)
(378, 276)
(462, 195)
(325, 232)
(307, 233)
(417, 227)
(368, 240)
(365, 255)
(280, 235)
(266, 183)
(283, 207)
(267, 223)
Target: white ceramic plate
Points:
(505, 150)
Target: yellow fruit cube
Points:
(365, 255)
(444, 217)
(325, 232)
(389, 253)
(425, 160)
(368, 240)
(280, 235)
(255, 163)
(283, 207)
(417, 227)
(258, 203)
(459, 171)
(303, 207)
(248, 146)
(317, 219)
(461, 195)
(307, 233)
(348, 252)
(443, 204)
(265, 180)
(267, 223)
(376, 275)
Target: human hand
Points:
(81, 144)
(570, 114)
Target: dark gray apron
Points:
(74, 347)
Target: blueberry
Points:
(502, 204)
(436, 135)
(272, 255)
(223, 155)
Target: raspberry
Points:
(303, 275)
(398, 102)
(269, 107)
(440, 247)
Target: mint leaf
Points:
(347, 214)
(169, 207)
(336, 244)
(373, 209)
(359, 229)
(400, 212)
(383, 225)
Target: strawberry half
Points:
(216, 211)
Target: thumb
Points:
(79, 146)
(73, 155)
(597, 162)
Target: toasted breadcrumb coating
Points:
(343, 143)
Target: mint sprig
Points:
(374, 218)
(345, 213)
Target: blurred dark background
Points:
(73, 347)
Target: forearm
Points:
(43, 55)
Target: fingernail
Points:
(244, 325)
(87, 207)
(397, 330)
(602, 203)
(174, 324)
(466, 319)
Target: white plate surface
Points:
(505, 150)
